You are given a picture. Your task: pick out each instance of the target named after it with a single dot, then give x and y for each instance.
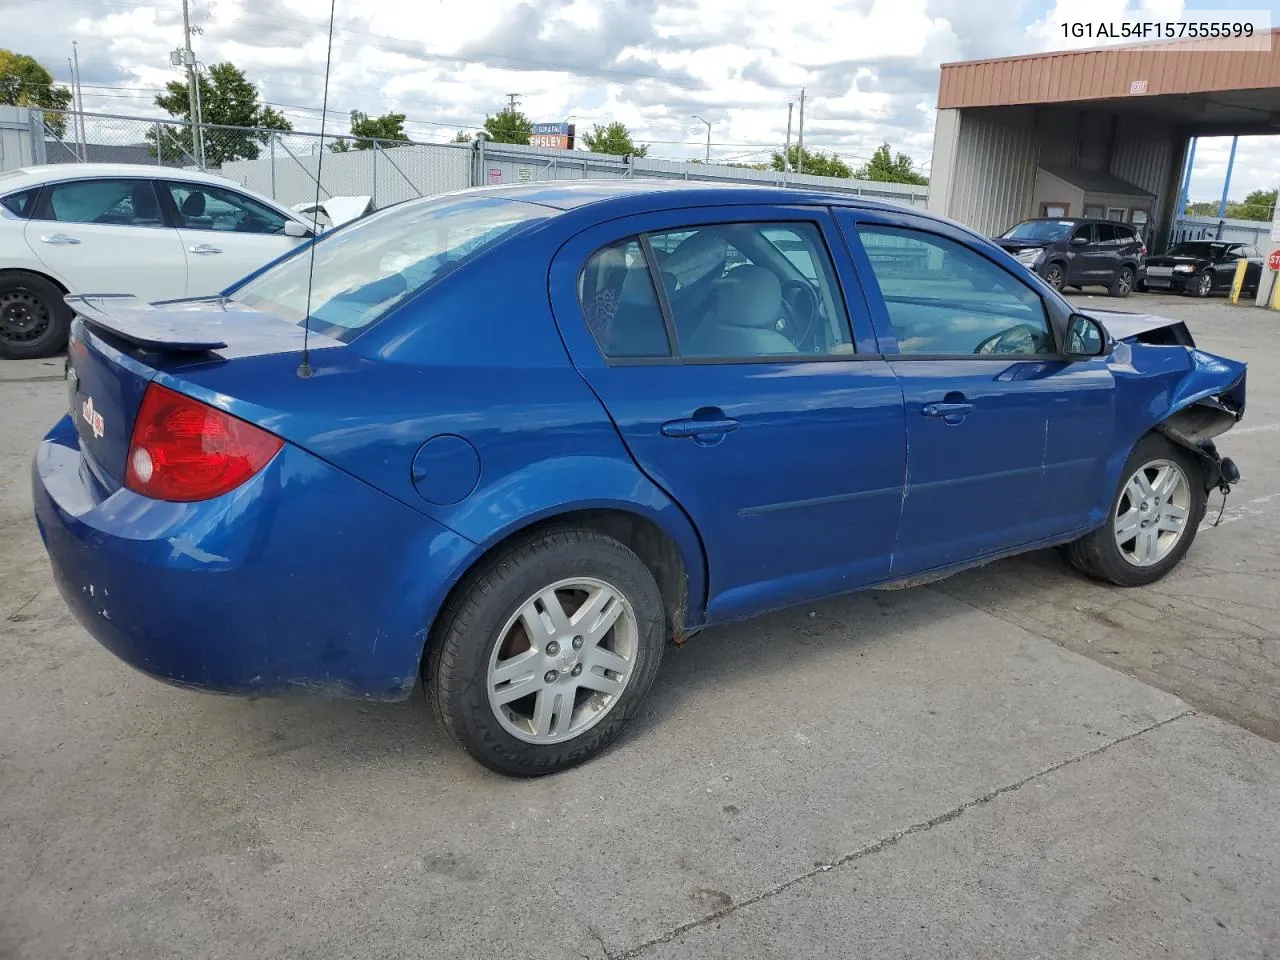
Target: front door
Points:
(108, 236)
(739, 387)
(1006, 438)
(226, 234)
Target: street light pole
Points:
(800, 137)
(193, 87)
(708, 123)
(786, 151)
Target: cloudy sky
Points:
(869, 67)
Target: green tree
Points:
(886, 168)
(1257, 206)
(461, 137)
(509, 125)
(817, 164)
(614, 138)
(227, 99)
(25, 83)
(366, 129)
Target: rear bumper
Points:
(302, 580)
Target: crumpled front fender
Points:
(1187, 394)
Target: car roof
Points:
(636, 194)
(31, 176)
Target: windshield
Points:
(363, 270)
(1039, 230)
(1197, 249)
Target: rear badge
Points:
(92, 417)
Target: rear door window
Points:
(121, 203)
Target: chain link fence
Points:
(291, 166)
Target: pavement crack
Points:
(891, 840)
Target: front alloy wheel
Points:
(1204, 284)
(1151, 515)
(1153, 518)
(1055, 276)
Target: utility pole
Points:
(75, 127)
(708, 123)
(800, 137)
(83, 140)
(513, 101)
(193, 91)
(786, 151)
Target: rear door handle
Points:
(204, 249)
(693, 427)
(946, 409)
(58, 238)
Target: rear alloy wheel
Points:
(1153, 519)
(543, 658)
(1055, 276)
(34, 319)
(1122, 286)
(1203, 285)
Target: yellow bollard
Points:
(1275, 293)
(1238, 283)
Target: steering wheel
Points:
(1022, 338)
(800, 304)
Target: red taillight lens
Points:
(185, 450)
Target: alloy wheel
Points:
(562, 660)
(1151, 516)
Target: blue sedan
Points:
(513, 440)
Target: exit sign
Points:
(1137, 86)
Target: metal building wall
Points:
(994, 170)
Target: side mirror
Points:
(1086, 337)
(1079, 241)
(292, 228)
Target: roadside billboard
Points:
(558, 135)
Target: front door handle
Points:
(947, 410)
(694, 427)
(58, 238)
(204, 249)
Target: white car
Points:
(154, 232)
(335, 211)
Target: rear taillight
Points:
(185, 450)
(1142, 252)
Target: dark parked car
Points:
(1071, 252)
(1201, 267)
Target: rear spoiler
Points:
(143, 325)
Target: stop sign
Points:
(1273, 261)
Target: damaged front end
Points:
(1195, 425)
(1193, 396)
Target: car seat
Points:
(743, 320)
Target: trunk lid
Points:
(118, 345)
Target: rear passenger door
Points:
(740, 387)
(108, 235)
(1006, 438)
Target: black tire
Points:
(1122, 285)
(456, 675)
(1098, 555)
(1055, 276)
(34, 319)
(1201, 286)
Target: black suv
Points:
(1075, 252)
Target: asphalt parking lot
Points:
(1011, 763)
